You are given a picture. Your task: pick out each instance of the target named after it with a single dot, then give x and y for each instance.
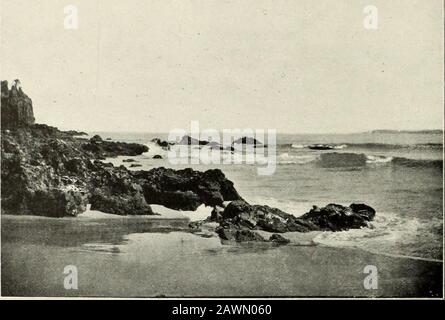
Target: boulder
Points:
(185, 189)
(335, 217)
(266, 218)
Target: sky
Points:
(297, 66)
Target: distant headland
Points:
(434, 131)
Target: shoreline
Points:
(180, 223)
(163, 260)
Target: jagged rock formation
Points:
(55, 175)
(239, 219)
(186, 189)
(49, 172)
(16, 107)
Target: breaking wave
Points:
(335, 160)
(392, 235)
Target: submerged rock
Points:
(277, 238)
(238, 235)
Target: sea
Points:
(400, 175)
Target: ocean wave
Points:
(371, 146)
(389, 234)
(378, 159)
(416, 163)
(337, 160)
(387, 146)
(285, 158)
(392, 235)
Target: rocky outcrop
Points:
(16, 107)
(40, 162)
(186, 189)
(187, 140)
(239, 217)
(248, 140)
(163, 144)
(101, 149)
(50, 172)
(240, 214)
(335, 217)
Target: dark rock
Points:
(121, 203)
(247, 140)
(321, 147)
(16, 107)
(163, 144)
(50, 172)
(335, 217)
(187, 140)
(108, 149)
(238, 235)
(134, 165)
(239, 215)
(186, 189)
(278, 239)
(129, 160)
(74, 133)
(363, 210)
(265, 218)
(157, 156)
(96, 139)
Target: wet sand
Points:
(156, 256)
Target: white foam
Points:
(378, 159)
(388, 234)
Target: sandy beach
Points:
(156, 256)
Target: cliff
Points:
(16, 107)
